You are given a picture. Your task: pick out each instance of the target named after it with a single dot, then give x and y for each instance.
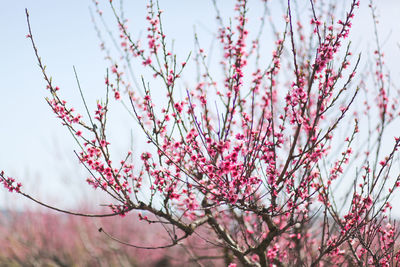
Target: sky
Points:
(34, 147)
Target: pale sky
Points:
(33, 146)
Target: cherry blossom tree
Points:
(282, 160)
